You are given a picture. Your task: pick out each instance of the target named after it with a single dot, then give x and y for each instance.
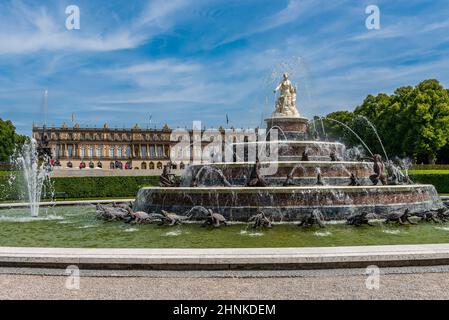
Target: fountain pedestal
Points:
(294, 128)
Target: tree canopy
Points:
(412, 122)
(8, 140)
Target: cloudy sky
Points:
(182, 60)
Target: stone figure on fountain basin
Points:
(395, 176)
(166, 179)
(172, 218)
(214, 219)
(260, 220)
(354, 180)
(305, 156)
(438, 216)
(359, 219)
(286, 102)
(289, 181)
(379, 170)
(256, 179)
(314, 218)
(399, 217)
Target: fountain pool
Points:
(77, 226)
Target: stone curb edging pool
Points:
(227, 259)
(89, 202)
(65, 203)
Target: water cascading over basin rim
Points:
(291, 203)
(309, 174)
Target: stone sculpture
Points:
(214, 219)
(256, 179)
(314, 218)
(400, 218)
(166, 179)
(354, 180)
(379, 170)
(260, 220)
(358, 219)
(286, 102)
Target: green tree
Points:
(8, 140)
(335, 130)
(413, 122)
(428, 120)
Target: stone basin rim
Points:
(287, 188)
(282, 163)
(308, 142)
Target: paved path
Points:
(394, 283)
(243, 258)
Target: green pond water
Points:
(78, 227)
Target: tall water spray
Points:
(34, 173)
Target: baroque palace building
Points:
(107, 148)
(136, 148)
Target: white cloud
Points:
(35, 29)
(157, 67)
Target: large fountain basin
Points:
(304, 173)
(291, 203)
(294, 149)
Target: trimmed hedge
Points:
(439, 180)
(85, 187)
(430, 167)
(102, 187)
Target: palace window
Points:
(151, 166)
(119, 152)
(128, 152)
(91, 152)
(143, 152)
(111, 152)
(83, 152)
(152, 154)
(159, 151)
(99, 152)
(70, 151)
(159, 165)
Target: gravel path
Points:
(395, 283)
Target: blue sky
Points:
(185, 60)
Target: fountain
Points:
(312, 178)
(30, 161)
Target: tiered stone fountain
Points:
(310, 175)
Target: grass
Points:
(411, 172)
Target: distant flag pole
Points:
(227, 119)
(73, 117)
(151, 116)
(45, 106)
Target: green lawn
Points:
(428, 171)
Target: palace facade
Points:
(107, 148)
(139, 149)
